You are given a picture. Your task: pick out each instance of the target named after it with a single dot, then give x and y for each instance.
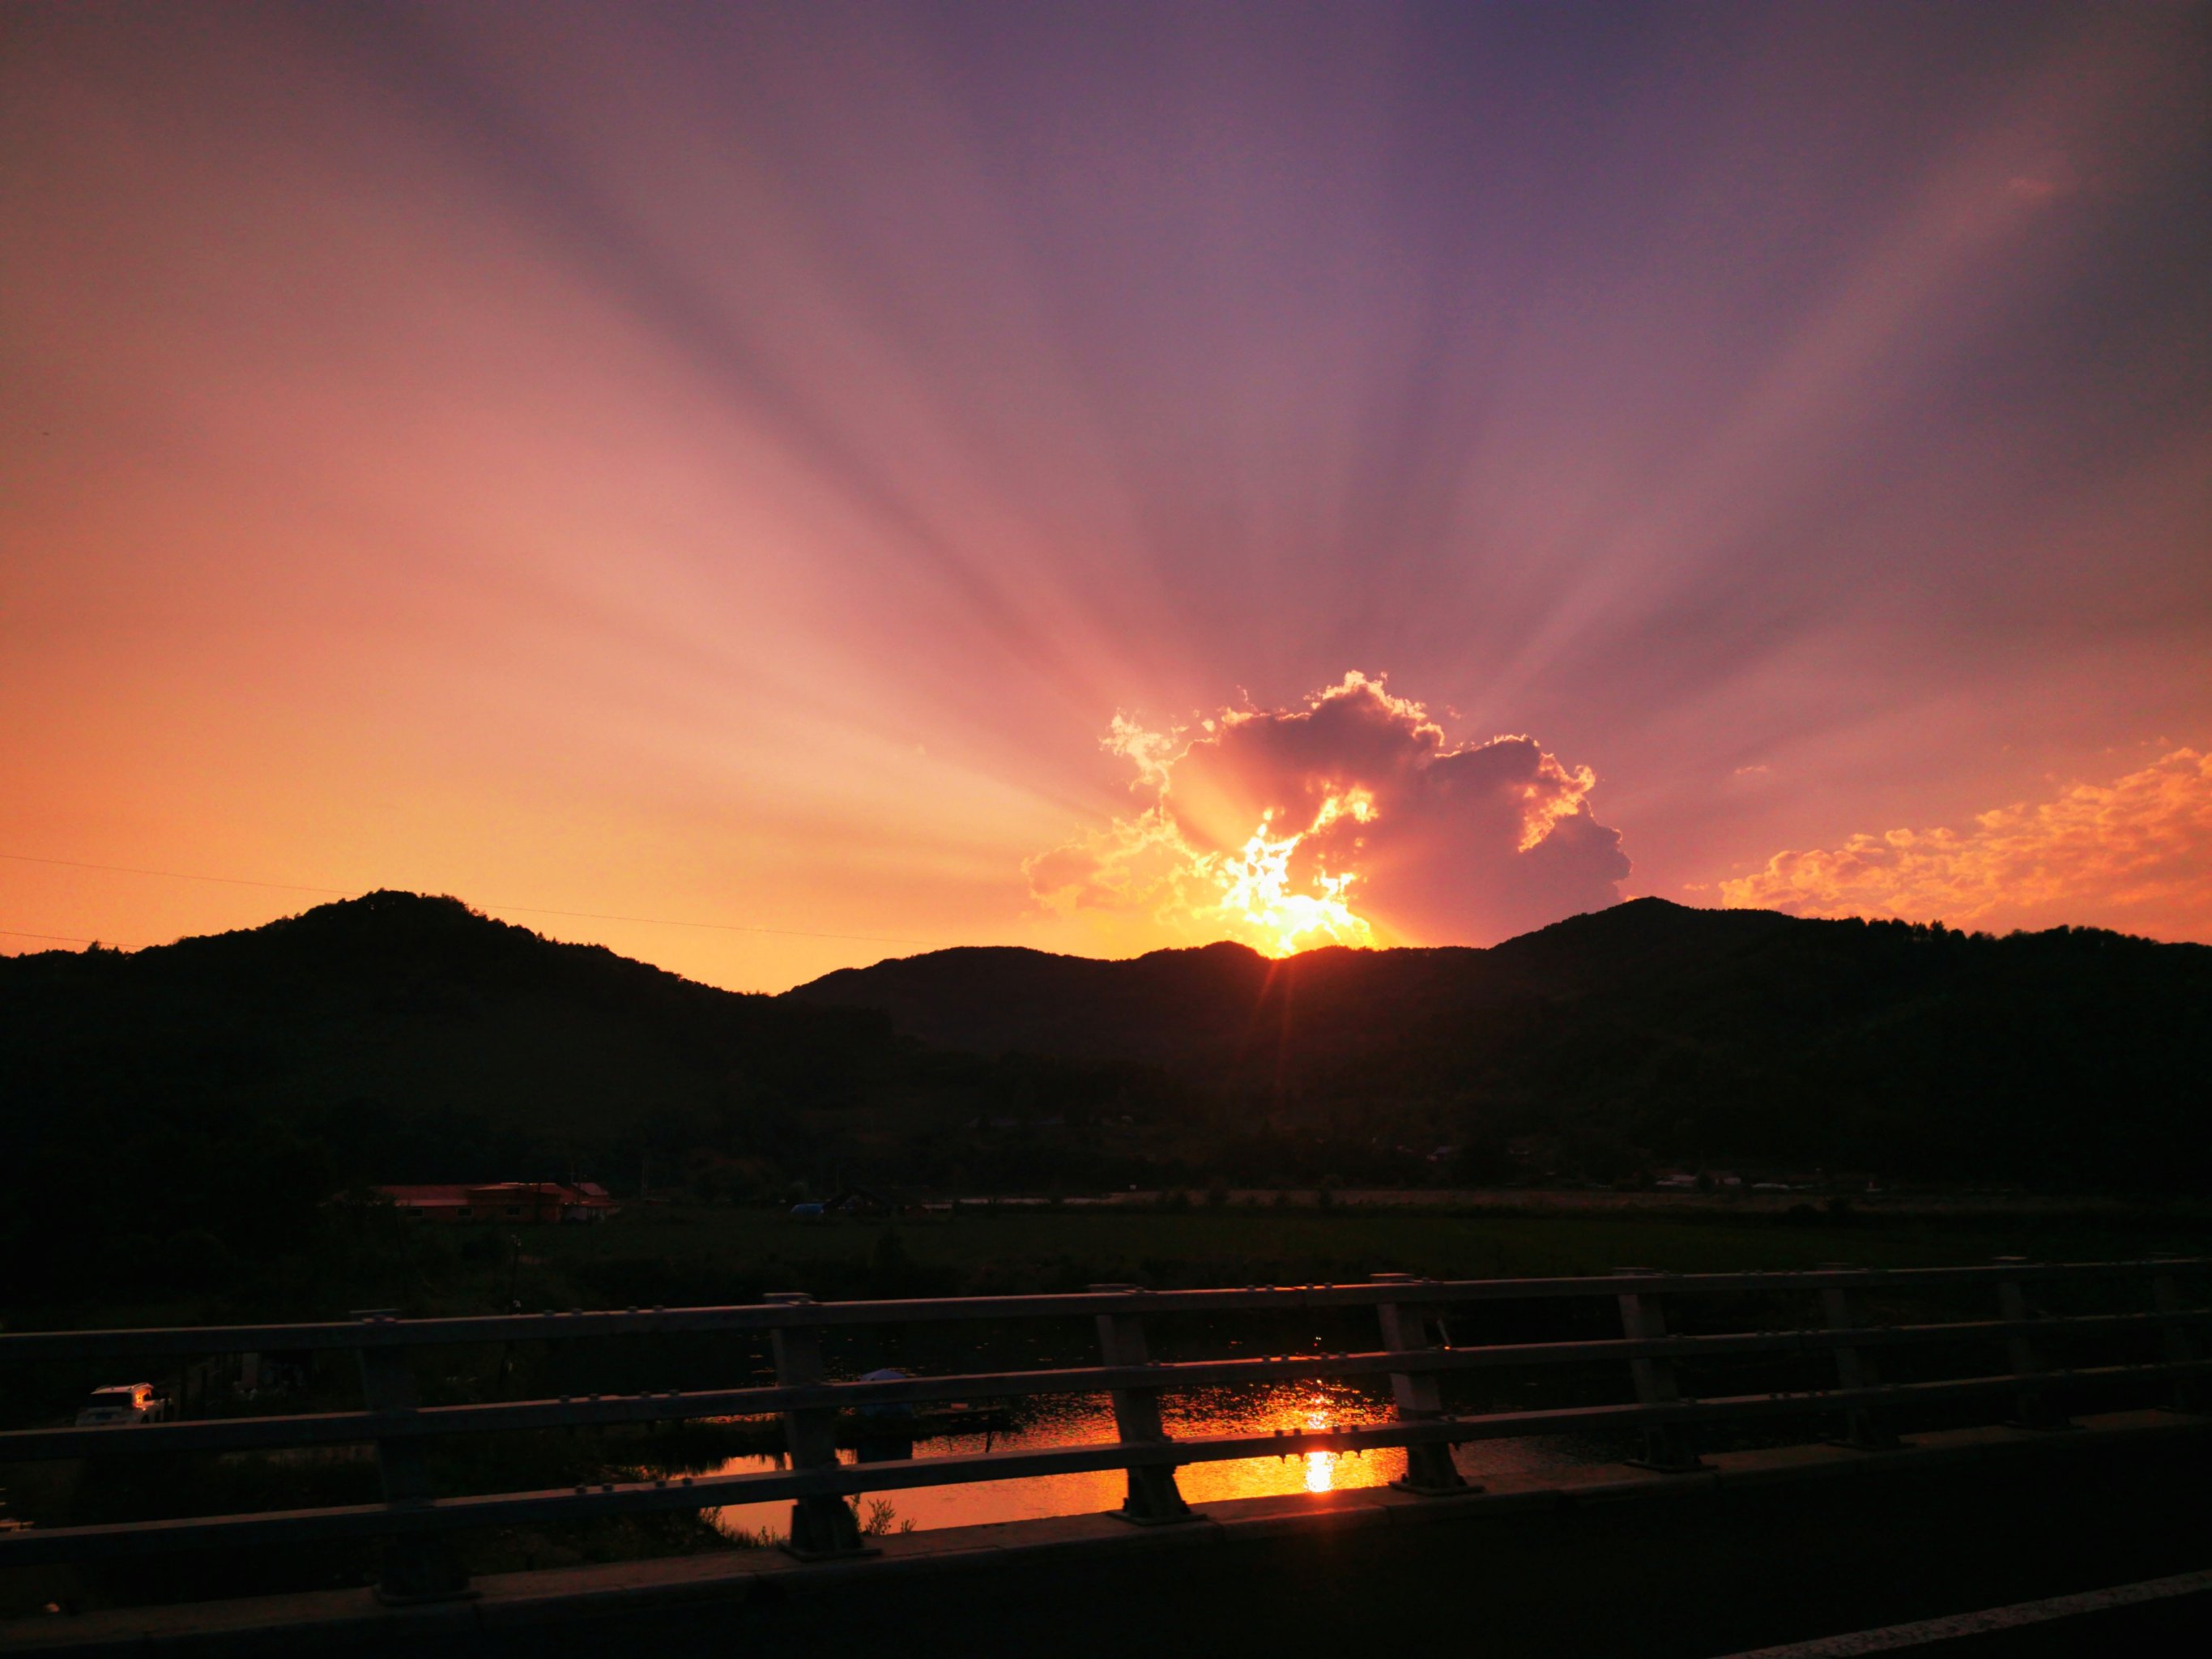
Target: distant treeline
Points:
(183, 1116)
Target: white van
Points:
(126, 1403)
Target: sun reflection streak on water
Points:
(1320, 1471)
(1321, 1465)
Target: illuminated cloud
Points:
(2136, 854)
(1352, 820)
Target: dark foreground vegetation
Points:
(179, 1121)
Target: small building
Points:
(534, 1202)
(419, 1203)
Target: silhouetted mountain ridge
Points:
(396, 1002)
(183, 1111)
(200, 1101)
(1650, 1030)
(1207, 1002)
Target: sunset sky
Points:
(903, 475)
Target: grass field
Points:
(672, 1255)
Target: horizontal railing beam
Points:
(25, 1346)
(38, 1546)
(343, 1428)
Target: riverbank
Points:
(672, 1253)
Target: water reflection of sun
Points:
(1313, 1408)
(1321, 1465)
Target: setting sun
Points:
(1257, 902)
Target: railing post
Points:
(1865, 1428)
(2036, 1409)
(1667, 1447)
(823, 1526)
(2182, 1342)
(1154, 1499)
(1418, 1397)
(417, 1567)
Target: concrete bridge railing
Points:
(2158, 1344)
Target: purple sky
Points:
(733, 464)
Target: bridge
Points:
(1813, 1453)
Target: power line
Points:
(175, 875)
(59, 938)
(521, 909)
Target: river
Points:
(1088, 1419)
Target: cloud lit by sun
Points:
(2135, 854)
(1352, 820)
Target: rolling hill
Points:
(199, 1102)
(393, 1013)
(1651, 1030)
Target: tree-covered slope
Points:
(219, 1089)
(394, 1007)
(1654, 1030)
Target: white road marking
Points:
(1990, 1619)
